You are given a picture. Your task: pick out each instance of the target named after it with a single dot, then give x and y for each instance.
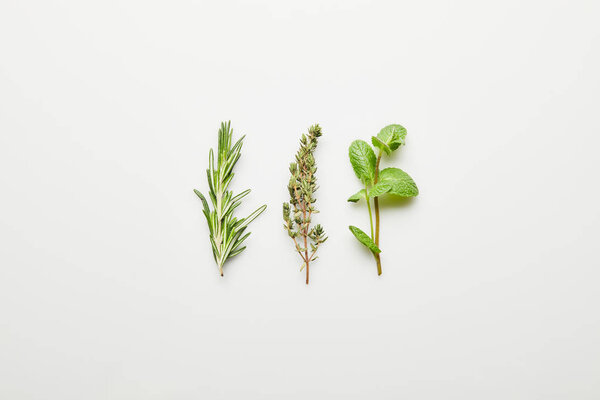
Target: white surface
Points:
(490, 285)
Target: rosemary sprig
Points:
(298, 212)
(226, 231)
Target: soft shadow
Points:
(391, 201)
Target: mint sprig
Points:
(377, 183)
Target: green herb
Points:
(298, 212)
(226, 231)
(377, 183)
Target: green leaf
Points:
(393, 136)
(205, 210)
(379, 189)
(362, 158)
(364, 239)
(401, 184)
(380, 145)
(357, 196)
(243, 223)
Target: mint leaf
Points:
(376, 191)
(357, 196)
(379, 189)
(393, 136)
(401, 184)
(364, 239)
(362, 158)
(380, 145)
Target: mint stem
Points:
(369, 207)
(376, 203)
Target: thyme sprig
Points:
(226, 232)
(297, 213)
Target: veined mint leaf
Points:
(380, 145)
(363, 160)
(364, 239)
(357, 196)
(401, 184)
(379, 189)
(393, 136)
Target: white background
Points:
(490, 278)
